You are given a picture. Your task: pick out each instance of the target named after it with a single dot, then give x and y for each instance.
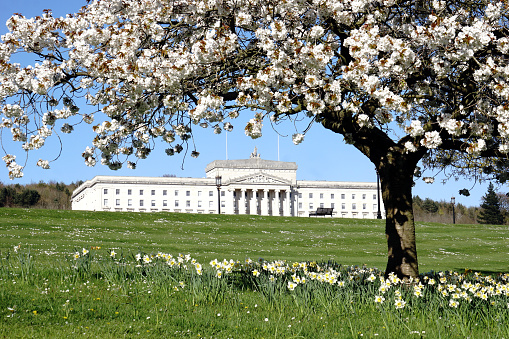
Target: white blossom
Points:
(297, 138)
(431, 140)
(43, 164)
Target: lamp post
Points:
(379, 212)
(218, 185)
(453, 201)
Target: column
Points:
(252, 203)
(264, 202)
(286, 204)
(275, 203)
(242, 201)
(229, 202)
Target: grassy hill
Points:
(52, 234)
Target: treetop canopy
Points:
(427, 78)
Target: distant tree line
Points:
(429, 210)
(51, 195)
(494, 209)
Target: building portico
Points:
(260, 200)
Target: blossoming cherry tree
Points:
(403, 81)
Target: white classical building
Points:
(247, 186)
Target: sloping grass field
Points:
(101, 274)
(52, 234)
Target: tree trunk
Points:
(396, 168)
(396, 178)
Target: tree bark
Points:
(396, 178)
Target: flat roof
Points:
(252, 163)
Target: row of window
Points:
(211, 194)
(212, 204)
(165, 192)
(343, 206)
(343, 196)
(141, 203)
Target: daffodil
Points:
(400, 303)
(291, 285)
(453, 303)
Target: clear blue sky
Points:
(322, 156)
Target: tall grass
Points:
(105, 294)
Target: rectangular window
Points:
(364, 196)
(311, 206)
(211, 193)
(374, 196)
(188, 193)
(176, 203)
(353, 196)
(211, 204)
(310, 195)
(375, 207)
(129, 202)
(188, 203)
(199, 193)
(105, 191)
(354, 206)
(223, 193)
(321, 205)
(129, 192)
(165, 203)
(176, 192)
(141, 192)
(364, 206)
(332, 205)
(332, 196)
(153, 192)
(165, 192)
(342, 196)
(223, 204)
(321, 195)
(105, 202)
(153, 203)
(199, 203)
(300, 195)
(117, 202)
(141, 203)
(300, 205)
(117, 191)
(343, 206)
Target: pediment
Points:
(260, 178)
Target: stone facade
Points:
(248, 186)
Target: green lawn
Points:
(52, 234)
(59, 283)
